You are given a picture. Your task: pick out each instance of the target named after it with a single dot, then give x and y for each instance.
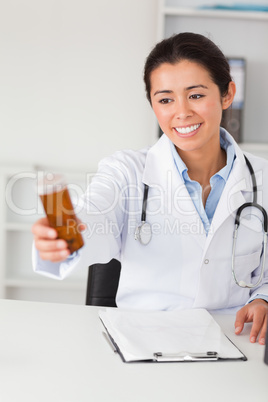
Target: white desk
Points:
(56, 353)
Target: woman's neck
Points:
(203, 165)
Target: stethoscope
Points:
(254, 204)
(143, 232)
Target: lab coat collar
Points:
(160, 163)
(161, 172)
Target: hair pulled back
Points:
(192, 47)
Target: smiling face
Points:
(188, 105)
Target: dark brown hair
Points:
(193, 47)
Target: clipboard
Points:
(190, 335)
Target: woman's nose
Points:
(183, 110)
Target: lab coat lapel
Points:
(160, 170)
(159, 164)
(232, 198)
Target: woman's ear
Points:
(229, 97)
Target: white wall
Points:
(71, 80)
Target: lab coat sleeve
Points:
(52, 269)
(261, 293)
(262, 290)
(103, 210)
(258, 296)
(97, 248)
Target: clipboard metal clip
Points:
(185, 357)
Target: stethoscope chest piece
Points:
(143, 233)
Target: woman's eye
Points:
(165, 101)
(196, 96)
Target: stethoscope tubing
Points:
(253, 204)
(241, 283)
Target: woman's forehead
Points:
(184, 72)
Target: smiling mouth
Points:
(187, 130)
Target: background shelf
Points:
(210, 13)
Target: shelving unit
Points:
(197, 12)
(239, 34)
(21, 207)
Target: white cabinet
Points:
(20, 208)
(238, 34)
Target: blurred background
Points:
(72, 92)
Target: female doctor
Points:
(197, 178)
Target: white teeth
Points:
(187, 130)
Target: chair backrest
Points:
(102, 284)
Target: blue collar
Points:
(224, 172)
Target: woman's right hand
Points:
(46, 242)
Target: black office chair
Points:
(102, 284)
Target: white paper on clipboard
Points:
(158, 336)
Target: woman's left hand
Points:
(257, 313)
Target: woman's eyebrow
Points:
(196, 86)
(163, 91)
(168, 91)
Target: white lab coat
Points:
(181, 267)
